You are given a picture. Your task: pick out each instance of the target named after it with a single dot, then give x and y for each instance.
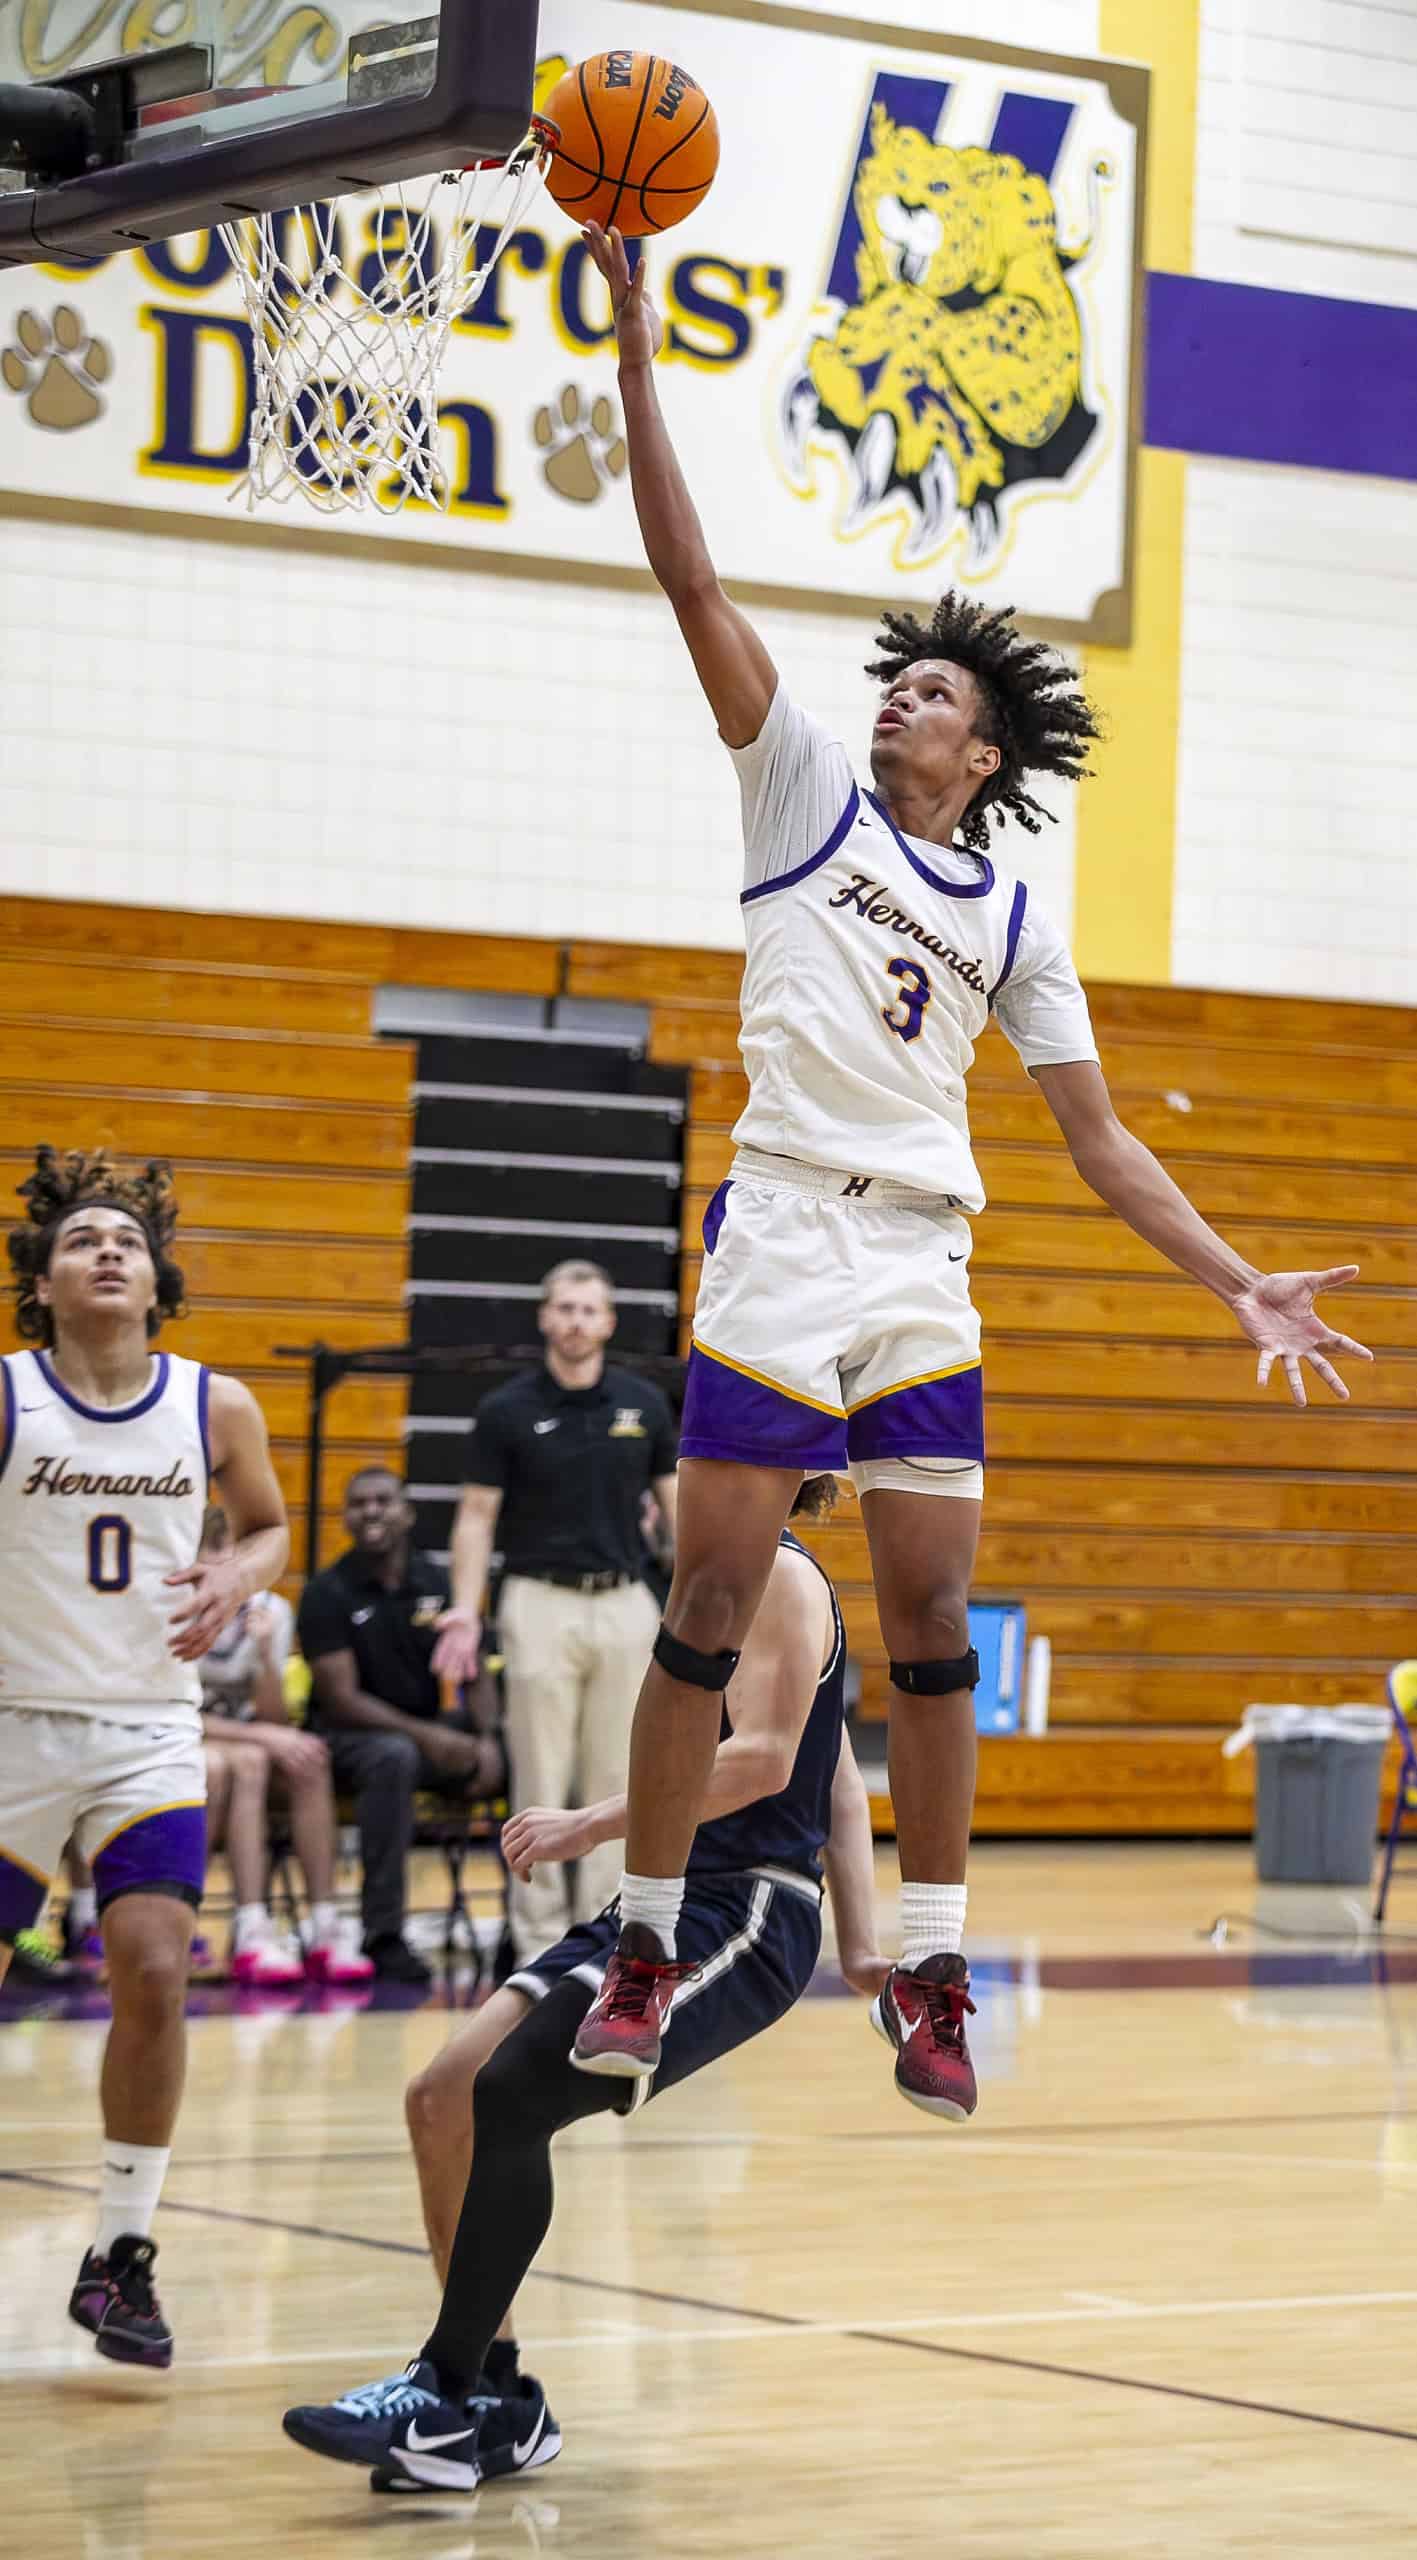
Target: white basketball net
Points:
(348, 363)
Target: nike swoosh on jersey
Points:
(358, 1617)
(435, 2444)
(539, 1427)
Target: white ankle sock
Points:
(252, 1922)
(128, 2191)
(323, 1922)
(931, 1921)
(652, 1902)
(83, 1907)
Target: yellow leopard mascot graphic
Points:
(957, 372)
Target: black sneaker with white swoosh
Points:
(410, 2437)
(517, 2434)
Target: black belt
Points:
(578, 1581)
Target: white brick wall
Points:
(1046, 26)
(1298, 776)
(1306, 154)
(227, 727)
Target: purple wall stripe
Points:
(1258, 376)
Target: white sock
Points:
(83, 1906)
(323, 1917)
(252, 1922)
(128, 2191)
(931, 1921)
(652, 1902)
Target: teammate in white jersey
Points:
(107, 1451)
(834, 1327)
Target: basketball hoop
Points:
(348, 358)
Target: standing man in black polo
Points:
(367, 1629)
(558, 1465)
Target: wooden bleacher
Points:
(1188, 1545)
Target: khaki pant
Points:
(574, 1663)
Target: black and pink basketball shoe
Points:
(922, 2014)
(114, 2299)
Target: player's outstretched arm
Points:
(851, 1878)
(733, 667)
(1275, 1309)
(254, 1505)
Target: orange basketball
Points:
(639, 143)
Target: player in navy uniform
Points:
(834, 1326)
(107, 1451)
(785, 1800)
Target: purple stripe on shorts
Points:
(942, 1419)
(21, 1897)
(715, 1214)
(747, 1423)
(164, 1848)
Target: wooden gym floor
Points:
(1160, 2299)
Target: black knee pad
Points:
(936, 1679)
(711, 1671)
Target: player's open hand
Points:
(216, 1591)
(1277, 1313)
(541, 1837)
(638, 326)
(865, 1973)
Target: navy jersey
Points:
(790, 1829)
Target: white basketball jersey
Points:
(96, 1506)
(874, 963)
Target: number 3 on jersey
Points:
(906, 1017)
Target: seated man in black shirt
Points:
(367, 1626)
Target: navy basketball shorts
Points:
(755, 1938)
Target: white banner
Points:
(902, 329)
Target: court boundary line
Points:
(784, 2320)
(862, 2133)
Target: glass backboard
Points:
(208, 109)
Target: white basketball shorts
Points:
(834, 1327)
(131, 1795)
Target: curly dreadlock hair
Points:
(816, 1498)
(1034, 710)
(58, 1186)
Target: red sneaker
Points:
(922, 2014)
(620, 2033)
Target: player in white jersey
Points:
(107, 1451)
(834, 1327)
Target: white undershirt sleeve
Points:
(796, 780)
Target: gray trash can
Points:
(1318, 1773)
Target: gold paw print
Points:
(59, 366)
(584, 454)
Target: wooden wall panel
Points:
(1189, 1545)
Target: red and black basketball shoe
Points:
(922, 2014)
(622, 2030)
(115, 2299)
